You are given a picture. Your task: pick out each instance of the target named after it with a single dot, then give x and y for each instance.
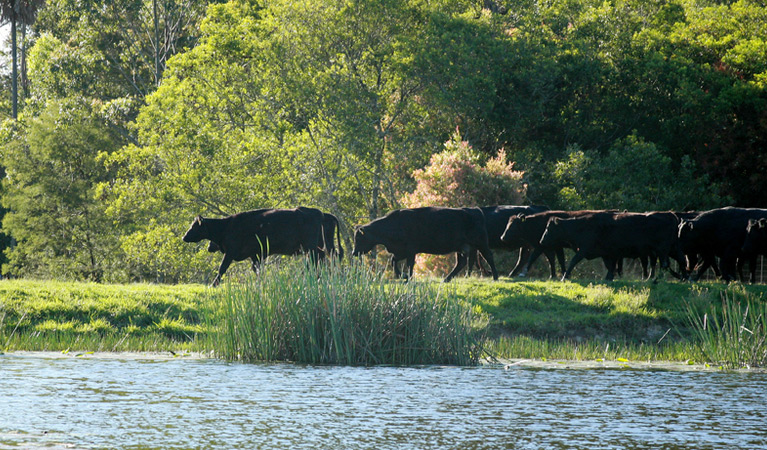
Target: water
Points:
(184, 404)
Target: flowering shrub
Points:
(457, 178)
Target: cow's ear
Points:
(198, 219)
(762, 222)
(554, 220)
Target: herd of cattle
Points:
(723, 239)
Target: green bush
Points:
(343, 315)
(590, 180)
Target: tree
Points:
(634, 175)
(52, 165)
(18, 12)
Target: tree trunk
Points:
(156, 45)
(24, 79)
(14, 72)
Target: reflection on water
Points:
(106, 403)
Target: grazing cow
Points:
(496, 218)
(259, 233)
(437, 231)
(613, 236)
(528, 230)
(721, 233)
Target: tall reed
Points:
(734, 335)
(343, 314)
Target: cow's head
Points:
(756, 236)
(363, 241)
(553, 234)
(197, 231)
(686, 232)
(511, 233)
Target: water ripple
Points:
(106, 403)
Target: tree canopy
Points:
(152, 112)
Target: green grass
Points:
(537, 319)
(55, 316)
(735, 334)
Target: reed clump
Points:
(733, 335)
(333, 314)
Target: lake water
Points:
(189, 404)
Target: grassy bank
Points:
(554, 320)
(586, 320)
(57, 316)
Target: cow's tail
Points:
(338, 236)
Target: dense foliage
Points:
(141, 114)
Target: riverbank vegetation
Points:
(345, 315)
(292, 317)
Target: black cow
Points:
(259, 233)
(528, 230)
(437, 231)
(496, 218)
(613, 236)
(721, 233)
(330, 227)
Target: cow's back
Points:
(533, 226)
(431, 229)
(274, 231)
(724, 228)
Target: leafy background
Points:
(125, 134)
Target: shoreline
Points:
(506, 364)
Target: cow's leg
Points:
(560, 252)
(708, 260)
(488, 255)
(410, 262)
(665, 264)
(533, 256)
(473, 259)
(395, 266)
(524, 252)
(460, 262)
(729, 266)
(222, 269)
(575, 260)
(551, 257)
(316, 255)
(644, 262)
(611, 264)
(617, 266)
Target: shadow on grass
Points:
(621, 310)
